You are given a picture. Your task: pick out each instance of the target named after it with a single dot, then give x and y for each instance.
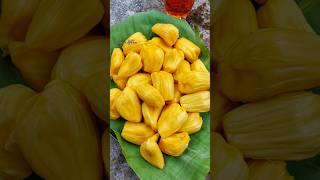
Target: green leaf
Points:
(308, 169)
(8, 73)
(310, 9)
(195, 162)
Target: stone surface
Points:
(199, 16)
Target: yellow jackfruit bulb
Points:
(160, 43)
(138, 79)
(12, 163)
(198, 66)
(151, 152)
(150, 95)
(196, 102)
(193, 123)
(177, 95)
(282, 14)
(69, 21)
(168, 32)
(270, 62)
(172, 59)
(151, 115)
(191, 51)
(172, 117)
(114, 94)
(81, 60)
(227, 33)
(295, 133)
(117, 58)
(134, 43)
(194, 81)
(136, 133)
(175, 144)
(35, 66)
(15, 19)
(96, 93)
(228, 161)
(128, 105)
(53, 137)
(131, 65)
(152, 57)
(163, 81)
(120, 81)
(221, 105)
(183, 67)
(267, 169)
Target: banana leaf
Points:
(195, 161)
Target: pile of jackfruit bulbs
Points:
(159, 93)
(52, 126)
(267, 59)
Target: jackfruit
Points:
(163, 81)
(177, 95)
(175, 144)
(120, 81)
(131, 65)
(150, 95)
(196, 102)
(198, 66)
(152, 57)
(160, 43)
(172, 118)
(12, 163)
(128, 105)
(276, 128)
(114, 94)
(96, 93)
(81, 60)
(15, 19)
(270, 62)
(282, 14)
(228, 162)
(151, 115)
(59, 142)
(267, 169)
(69, 21)
(117, 58)
(191, 51)
(168, 32)
(183, 67)
(193, 123)
(226, 33)
(84, 66)
(134, 43)
(151, 152)
(221, 105)
(138, 79)
(194, 81)
(35, 66)
(172, 59)
(136, 133)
